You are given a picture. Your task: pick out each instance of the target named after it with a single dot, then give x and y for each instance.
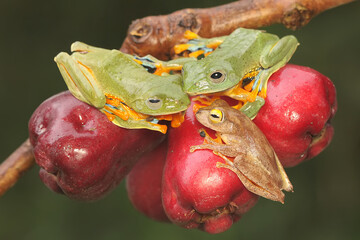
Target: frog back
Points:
(122, 77)
(243, 49)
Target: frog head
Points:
(162, 95)
(208, 75)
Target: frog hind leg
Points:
(254, 178)
(275, 56)
(80, 80)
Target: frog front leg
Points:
(80, 80)
(272, 59)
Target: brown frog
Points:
(255, 161)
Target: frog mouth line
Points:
(116, 107)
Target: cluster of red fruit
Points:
(85, 156)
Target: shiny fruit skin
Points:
(80, 152)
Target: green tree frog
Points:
(254, 160)
(112, 81)
(245, 51)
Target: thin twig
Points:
(15, 165)
(156, 35)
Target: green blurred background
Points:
(325, 204)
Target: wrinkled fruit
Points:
(80, 152)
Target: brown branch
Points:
(156, 35)
(15, 165)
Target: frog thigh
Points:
(259, 180)
(275, 57)
(80, 82)
(279, 53)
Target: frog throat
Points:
(116, 107)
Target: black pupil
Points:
(216, 75)
(154, 100)
(215, 116)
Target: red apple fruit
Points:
(296, 116)
(195, 193)
(80, 152)
(143, 183)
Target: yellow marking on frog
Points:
(204, 101)
(207, 138)
(239, 93)
(177, 120)
(245, 93)
(181, 48)
(196, 53)
(89, 70)
(128, 113)
(137, 61)
(263, 92)
(214, 44)
(190, 35)
(110, 116)
(121, 114)
(160, 69)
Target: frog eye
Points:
(154, 103)
(217, 76)
(216, 115)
